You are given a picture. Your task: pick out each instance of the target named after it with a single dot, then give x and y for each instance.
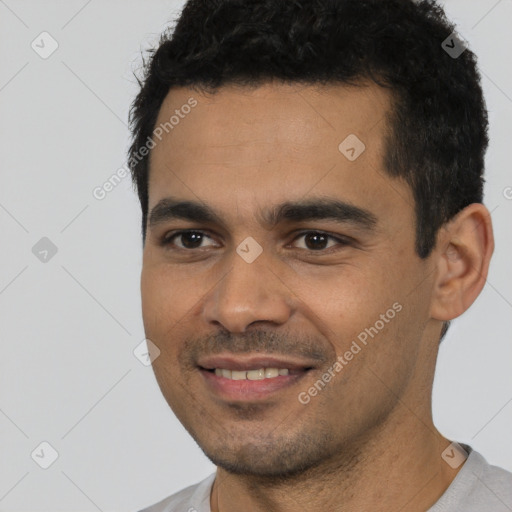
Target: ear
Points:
(463, 253)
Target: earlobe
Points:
(463, 253)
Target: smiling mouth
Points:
(256, 374)
(250, 379)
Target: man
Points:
(310, 176)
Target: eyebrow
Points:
(291, 211)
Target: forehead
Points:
(276, 142)
(292, 116)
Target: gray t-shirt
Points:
(478, 487)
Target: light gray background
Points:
(69, 326)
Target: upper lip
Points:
(241, 363)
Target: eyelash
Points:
(167, 240)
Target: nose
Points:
(248, 293)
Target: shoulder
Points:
(478, 486)
(497, 481)
(195, 498)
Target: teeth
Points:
(256, 374)
(271, 372)
(262, 373)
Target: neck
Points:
(396, 466)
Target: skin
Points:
(366, 441)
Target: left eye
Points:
(317, 240)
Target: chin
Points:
(282, 458)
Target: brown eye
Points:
(189, 239)
(319, 241)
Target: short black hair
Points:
(436, 134)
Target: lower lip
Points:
(248, 390)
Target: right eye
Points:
(190, 239)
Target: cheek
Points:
(370, 329)
(171, 302)
(165, 294)
(346, 301)
(151, 300)
(368, 315)
(162, 307)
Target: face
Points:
(280, 281)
